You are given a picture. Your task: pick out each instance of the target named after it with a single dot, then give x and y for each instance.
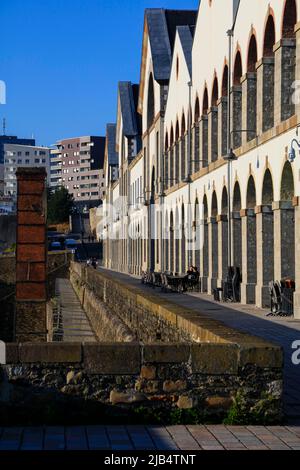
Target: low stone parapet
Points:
(109, 382)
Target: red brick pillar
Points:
(31, 256)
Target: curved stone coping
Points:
(128, 358)
(200, 327)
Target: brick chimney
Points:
(31, 256)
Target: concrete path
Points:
(75, 327)
(128, 438)
(283, 331)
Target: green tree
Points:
(60, 204)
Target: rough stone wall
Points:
(126, 317)
(46, 383)
(106, 324)
(8, 224)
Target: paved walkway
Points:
(75, 326)
(127, 438)
(283, 331)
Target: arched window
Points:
(251, 193)
(288, 65)
(177, 131)
(197, 110)
(252, 54)
(225, 81)
(150, 106)
(205, 102)
(237, 101)
(215, 93)
(251, 89)
(223, 116)
(269, 39)
(238, 70)
(268, 71)
(289, 19)
(214, 148)
(183, 126)
(167, 142)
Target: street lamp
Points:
(292, 151)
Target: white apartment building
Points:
(16, 156)
(77, 164)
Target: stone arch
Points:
(183, 244)
(183, 125)
(267, 191)
(252, 54)
(224, 210)
(151, 102)
(198, 232)
(214, 205)
(205, 101)
(171, 158)
(205, 247)
(237, 69)
(166, 162)
(223, 227)
(214, 150)
(214, 249)
(237, 200)
(250, 238)
(223, 112)
(288, 60)
(177, 241)
(287, 188)
(197, 110)
(225, 81)
(237, 101)
(183, 156)
(177, 133)
(250, 89)
(166, 242)
(204, 130)
(269, 37)
(289, 19)
(251, 193)
(196, 137)
(153, 228)
(265, 221)
(172, 136)
(237, 226)
(285, 217)
(166, 141)
(172, 244)
(215, 92)
(176, 153)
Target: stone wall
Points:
(8, 224)
(108, 302)
(58, 266)
(105, 383)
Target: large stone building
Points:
(182, 166)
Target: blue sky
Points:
(62, 59)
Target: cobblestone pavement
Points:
(126, 438)
(283, 331)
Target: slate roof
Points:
(113, 158)
(186, 34)
(162, 26)
(128, 108)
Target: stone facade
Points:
(264, 119)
